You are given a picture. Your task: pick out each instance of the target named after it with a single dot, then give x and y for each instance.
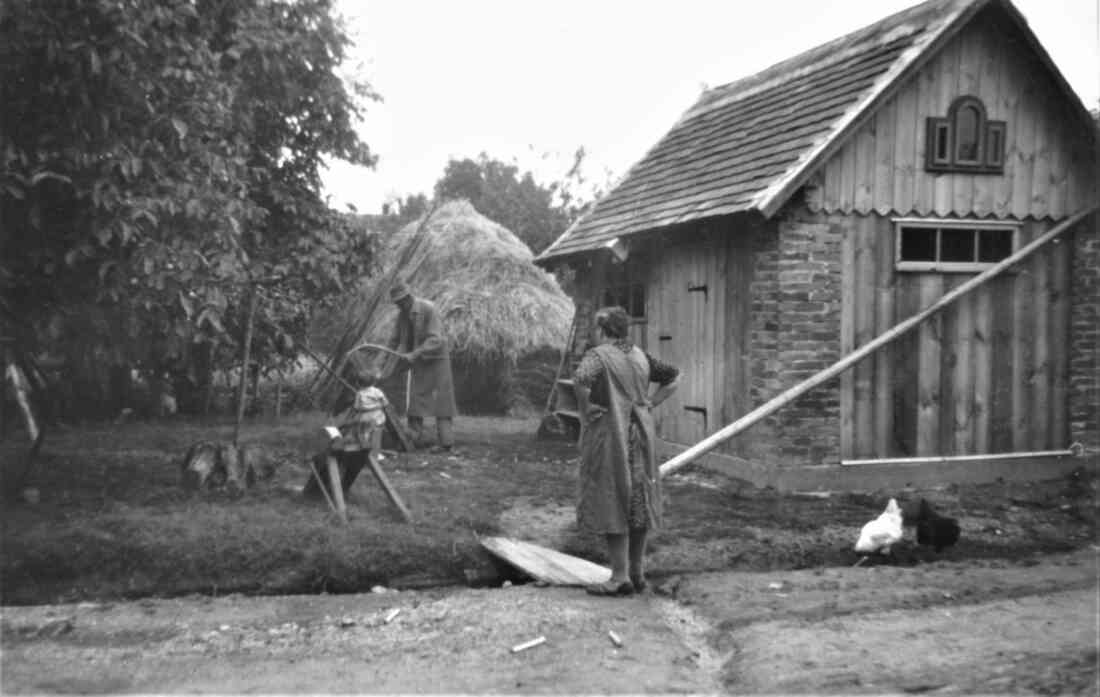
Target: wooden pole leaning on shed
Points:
(897, 331)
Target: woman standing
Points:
(620, 482)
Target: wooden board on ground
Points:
(546, 565)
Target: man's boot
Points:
(445, 431)
(416, 431)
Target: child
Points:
(363, 421)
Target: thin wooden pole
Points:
(279, 396)
(252, 303)
(713, 441)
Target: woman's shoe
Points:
(639, 584)
(610, 588)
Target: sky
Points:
(531, 82)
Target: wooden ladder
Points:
(561, 403)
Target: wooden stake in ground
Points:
(253, 302)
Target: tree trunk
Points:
(255, 405)
(245, 351)
(279, 396)
(205, 371)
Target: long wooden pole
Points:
(711, 442)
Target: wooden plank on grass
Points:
(546, 565)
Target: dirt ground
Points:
(995, 626)
(942, 628)
(752, 592)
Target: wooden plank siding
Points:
(987, 375)
(881, 168)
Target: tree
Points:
(159, 167)
(537, 213)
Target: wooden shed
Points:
(790, 217)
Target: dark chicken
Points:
(935, 530)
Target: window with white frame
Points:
(952, 245)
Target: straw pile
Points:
(497, 307)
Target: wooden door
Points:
(687, 294)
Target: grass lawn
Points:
(114, 522)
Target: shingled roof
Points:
(748, 145)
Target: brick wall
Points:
(796, 333)
(1084, 350)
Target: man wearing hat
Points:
(418, 337)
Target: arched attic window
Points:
(965, 140)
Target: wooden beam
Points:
(336, 486)
(866, 262)
(884, 361)
(376, 469)
(1023, 323)
(929, 350)
(773, 405)
(1039, 410)
(847, 339)
(983, 368)
(962, 378)
(1060, 341)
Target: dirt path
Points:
(958, 627)
(440, 643)
(986, 626)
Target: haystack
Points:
(505, 319)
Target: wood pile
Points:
(208, 466)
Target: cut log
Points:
(198, 465)
(546, 565)
(229, 458)
(257, 463)
(210, 465)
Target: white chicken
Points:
(882, 532)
